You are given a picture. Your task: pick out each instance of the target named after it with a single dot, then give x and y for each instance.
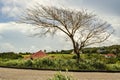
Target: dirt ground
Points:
(22, 74)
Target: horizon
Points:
(59, 50)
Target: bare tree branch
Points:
(82, 28)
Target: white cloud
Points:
(48, 48)
(113, 20)
(12, 8)
(33, 49)
(17, 40)
(6, 9)
(18, 35)
(1, 37)
(8, 47)
(115, 23)
(23, 28)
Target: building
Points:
(110, 55)
(39, 54)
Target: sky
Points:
(17, 37)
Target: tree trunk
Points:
(77, 52)
(76, 49)
(78, 57)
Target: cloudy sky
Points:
(16, 37)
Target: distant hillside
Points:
(103, 50)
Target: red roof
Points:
(38, 54)
(110, 55)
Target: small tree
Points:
(81, 28)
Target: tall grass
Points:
(55, 64)
(63, 62)
(61, 76)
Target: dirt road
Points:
(22, 74)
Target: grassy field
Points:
(92, 62)
(63, 56)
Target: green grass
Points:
(62, 76)
(57, 56)
(61, 56)
(63, 62)
(24, 56)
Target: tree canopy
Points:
(81, 27)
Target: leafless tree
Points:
(82, 28)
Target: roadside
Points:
(22, 74)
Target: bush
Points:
(57, 64)
(113, 67)
(25, 64)
(28, 64)
(9, 63)
(74, 57)
(60, 76)
(60, 64)
(99, 65)
(37, 63)
(116, 67)
(10, 55)
(111, 60)
(84, 66)
(48, 62)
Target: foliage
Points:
(10, 55)
(61, 56)
(99, 65)
(60, 52)
(60, 76)
(55, 64)
(62, 62)
(111, 60)
(28, 64)
(57, 61)
(74, 57)
(113, 67)
(90, 50)
(26, 53)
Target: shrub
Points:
(111, 60)
(60, 76)
(10, 55)
(85, 65)
(11, 63)
(60, 64)
(116, 67)
(48, 62)
(26, 64)
(74, 57)
(99, 65)
(37, 63)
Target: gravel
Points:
(23, 74)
